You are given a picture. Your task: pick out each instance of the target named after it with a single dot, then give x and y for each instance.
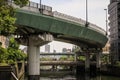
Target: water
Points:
(71, 76)
(82, 78)
(105, 78)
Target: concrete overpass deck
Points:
(31, 21)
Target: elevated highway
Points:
(62, 30)
(63, 27)
(38, 24)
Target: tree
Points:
(7, 27)
(3, 54)
(7, 16)
(13, 51)
(21, 3)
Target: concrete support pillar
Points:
(38, 59)
(75, 57)
(87, 62)
(33, 62)
(98, 60)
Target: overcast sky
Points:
(76, 8)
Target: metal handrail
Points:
(35, 5)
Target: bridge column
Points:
(75, 57)
(34, 42)
(38, 59)
(33, 61)
(98, 61)
(33, 68)
(87, 62)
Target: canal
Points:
(71, 76)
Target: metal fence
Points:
(33, 5)
(41, 6)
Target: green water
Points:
(74, 78)
(63, 76)
(71, 77)
(105, 78)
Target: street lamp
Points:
(86, 24)
(106, 23)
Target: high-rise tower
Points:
(47, 48)
(114, 18)
(111, 1)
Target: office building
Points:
(106, 49)
(47, 48)
(114, 23)
(64, 50)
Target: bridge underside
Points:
(26, 31)
(30, 23)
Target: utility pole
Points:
(86, 24)
(106, 23)
(40, 9)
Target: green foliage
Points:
(11, 61)
(7, 27)
(7, 16)
(7, 20)
(66, 58)
(71, 58)
(105, 58)
(3, 64)
(13, 44)
(81, 58)
(63, 58)
(3, 55)
(117, 64)
(12, 53)
(16, 55)
(21, 3)
(47, 59)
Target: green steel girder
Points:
(59, 26)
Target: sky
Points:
(76, 8)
